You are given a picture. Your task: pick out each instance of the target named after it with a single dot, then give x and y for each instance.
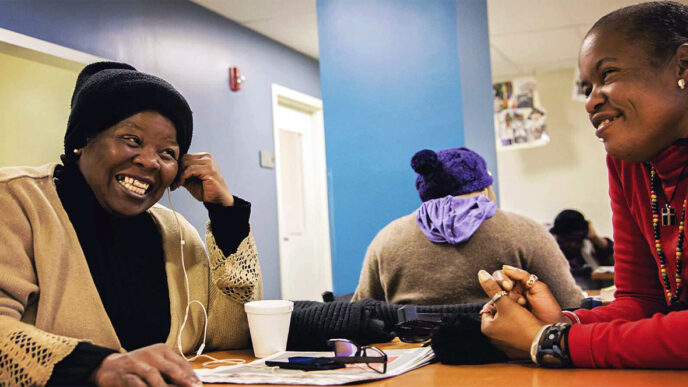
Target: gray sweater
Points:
(402, 266)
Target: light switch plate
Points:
(267, 159)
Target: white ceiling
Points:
(290, 22)
(525, 35)
(539, 35)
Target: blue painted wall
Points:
(474, 59)
(392, 85)
(192, 48)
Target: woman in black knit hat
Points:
(96, 279)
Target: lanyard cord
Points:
(673, 195)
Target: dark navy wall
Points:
(192, 48)
(391, 85)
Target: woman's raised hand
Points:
(200, 175)
(156, 365)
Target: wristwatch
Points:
(549, 347)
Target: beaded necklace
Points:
(672, 299)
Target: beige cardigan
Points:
(49, 302)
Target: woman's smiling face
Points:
(129, 165)
(634, 103)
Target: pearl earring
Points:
(682, 83)
(77, 151)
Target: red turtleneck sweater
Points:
(636, 330)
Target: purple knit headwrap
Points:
(453, 171)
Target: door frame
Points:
(291, 98)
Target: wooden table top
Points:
(602, 276)
(505, 374)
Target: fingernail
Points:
(483, 275)
(507, 267)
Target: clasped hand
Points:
(512, 321)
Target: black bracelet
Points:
(549, 351)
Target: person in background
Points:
(582, 247)
(429, 257)
(95, 276)
(634, 70)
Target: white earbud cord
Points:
(189, 302)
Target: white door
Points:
(301, 173)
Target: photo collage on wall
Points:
(578, 92)
(518, 121)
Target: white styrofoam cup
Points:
(268, 322)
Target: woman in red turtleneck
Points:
(634, 67)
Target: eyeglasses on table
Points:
(348, 352)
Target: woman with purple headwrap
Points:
(430, 256)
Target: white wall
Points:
(569, 172)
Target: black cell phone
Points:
(306, 364)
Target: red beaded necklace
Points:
(672, 299)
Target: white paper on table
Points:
(399, 361)
(603, 270)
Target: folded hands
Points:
(512, 321)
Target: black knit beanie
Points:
(108, 92)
